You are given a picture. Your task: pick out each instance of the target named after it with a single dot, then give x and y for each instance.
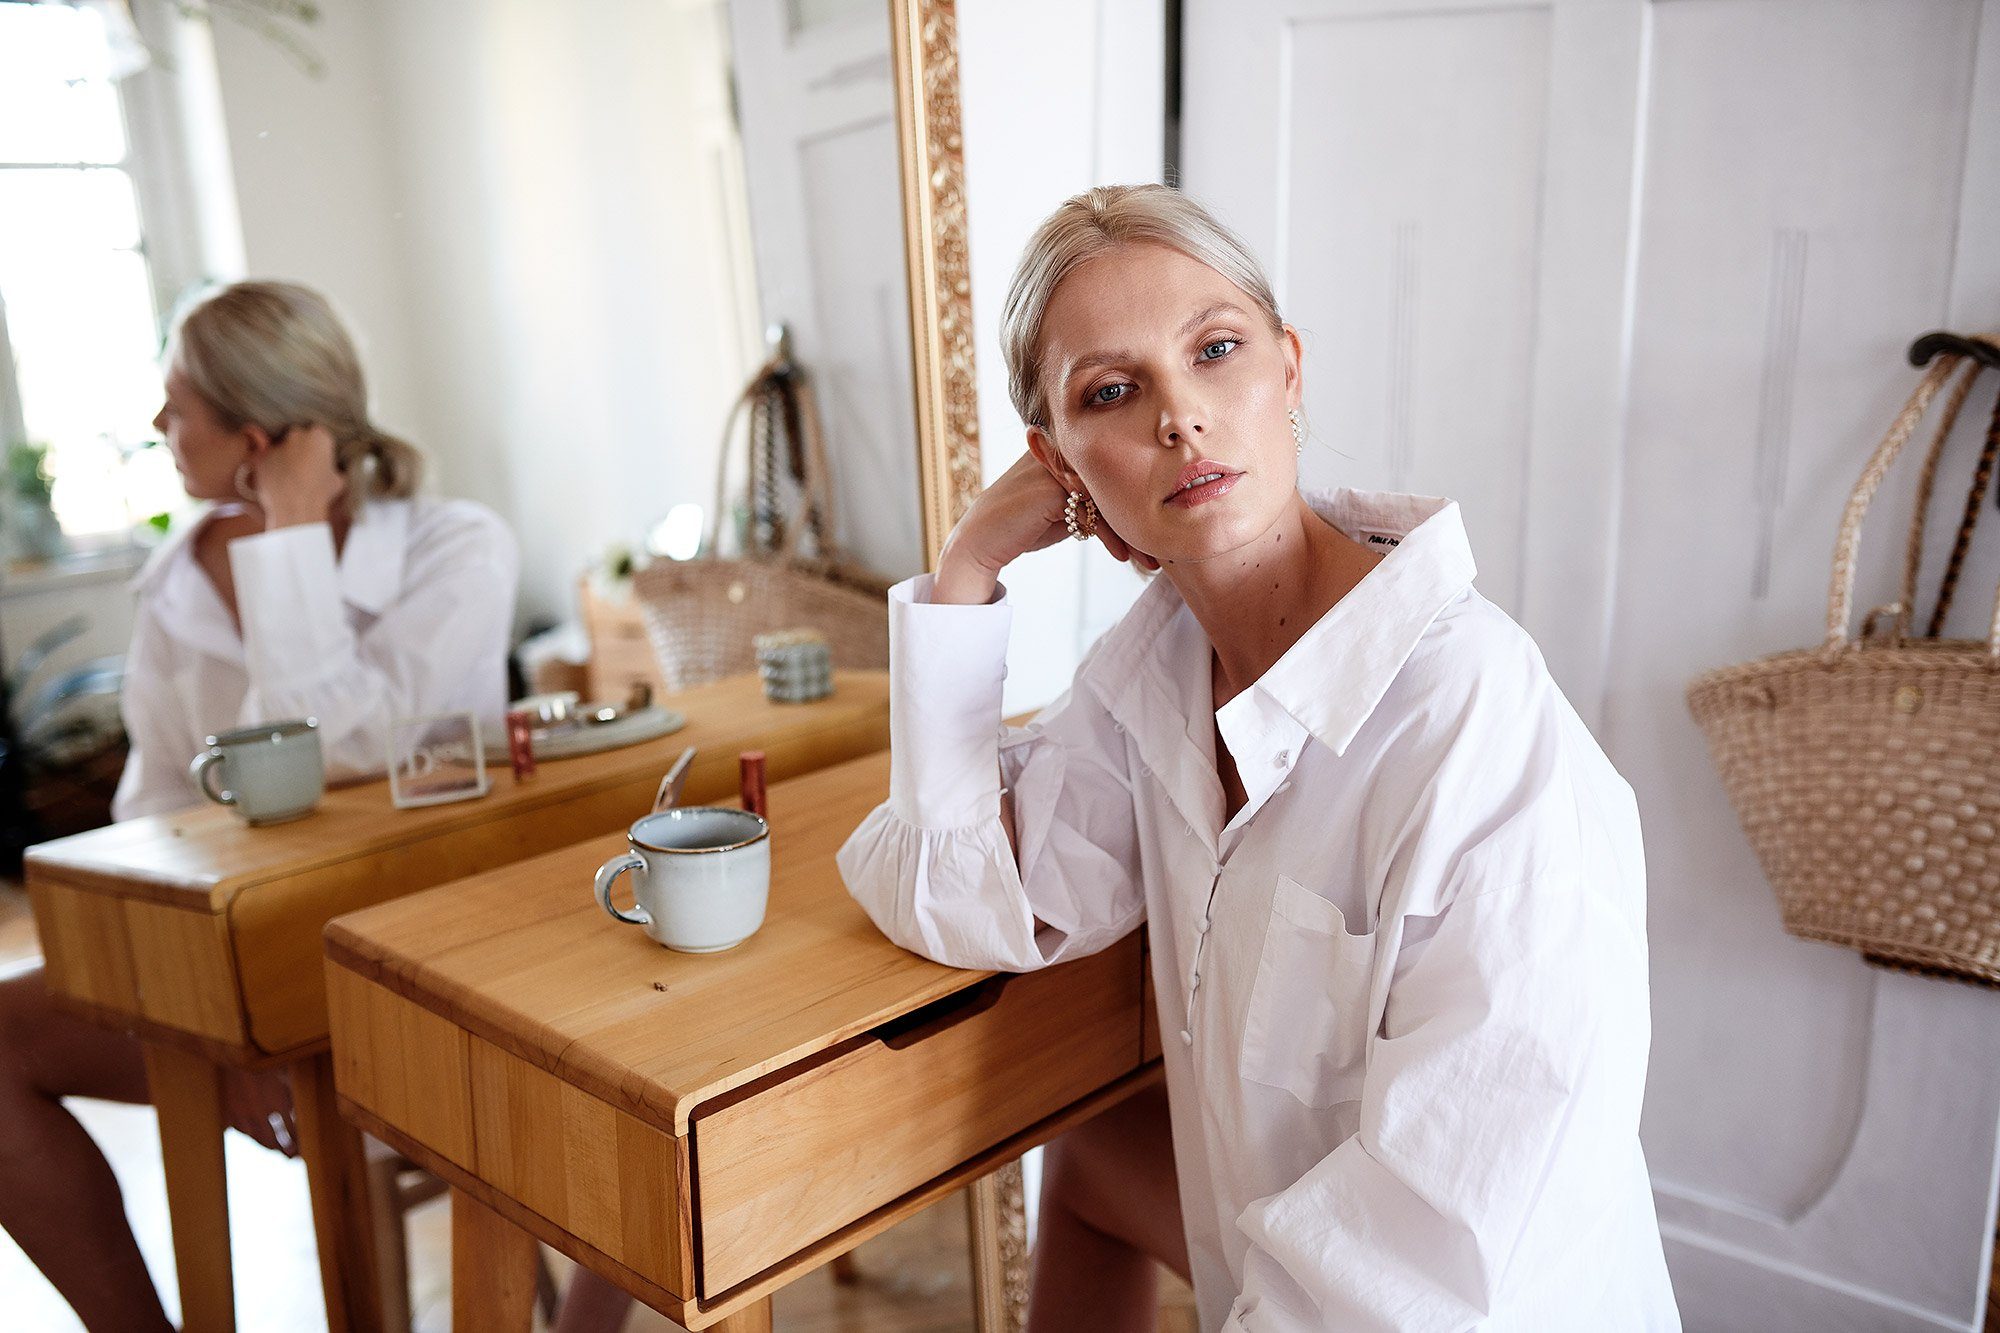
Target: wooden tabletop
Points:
(196, 925)
(526, 959)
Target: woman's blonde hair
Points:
(274, 355)
(1088, 225)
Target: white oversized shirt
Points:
(1402, 992)
(413, 617)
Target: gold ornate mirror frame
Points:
(924, 38)
(924, 50)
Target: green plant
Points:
(28, 476)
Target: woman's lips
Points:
(1205, 492)
(1193, 489)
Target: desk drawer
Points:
(796, 1156)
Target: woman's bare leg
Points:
(58, 1198)
(1110, 1214)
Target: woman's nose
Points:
(1181, 422)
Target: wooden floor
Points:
(913, 1279)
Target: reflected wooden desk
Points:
(202, 936)
(702, 1129)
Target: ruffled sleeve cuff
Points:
(952, 896)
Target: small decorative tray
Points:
(567, 728)
(565, 739)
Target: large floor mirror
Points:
(567, 244)
(571, 243)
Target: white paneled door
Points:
(1633, 282)
(818, 113)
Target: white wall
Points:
(315, 187)
(1094, 117)
(517, 206)
(1818, 189)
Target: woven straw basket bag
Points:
(1866, 771)
(703, 615)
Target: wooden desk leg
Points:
(750, 1319)
(187, 1091)
(337, 1172)
(492, 1269)
(996, 1207)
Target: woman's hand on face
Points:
(1021, 511)
(295, 479)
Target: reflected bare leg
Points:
(58, 1197)
(591, 1305)
(1110, 1213)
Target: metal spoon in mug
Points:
(669, 793)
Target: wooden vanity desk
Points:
(702, 1129)
(203, 936)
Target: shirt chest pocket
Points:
(1306, 1027)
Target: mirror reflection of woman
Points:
(318, 584)
(1395, 891)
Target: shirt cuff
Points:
(947, 663)
(288, 598)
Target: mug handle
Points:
(203, 765)
(607, 874)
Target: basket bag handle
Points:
(1905, 606)
(1975, 499)
(815, 503)
(1840, 593)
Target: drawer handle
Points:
(922, 1024)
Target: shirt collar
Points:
(183, 603)
(1330, 681)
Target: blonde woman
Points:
(319, 584)
(1394, 889)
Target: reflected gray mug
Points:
(270, 772)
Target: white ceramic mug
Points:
(700, 876)
(272, 771)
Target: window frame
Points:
(166, 108)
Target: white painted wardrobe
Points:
(1633, 281)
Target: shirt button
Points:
(1187, 1038)
(1283, 755)
(1190, 829)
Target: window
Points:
(77, 309)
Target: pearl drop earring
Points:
(1298, 431)
(1080, 516)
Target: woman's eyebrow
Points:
(1093, 360)
(1220, 308)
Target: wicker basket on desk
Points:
(702, 615)
(1866, 771)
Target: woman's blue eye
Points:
(1115, 392)
(1209, 353)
